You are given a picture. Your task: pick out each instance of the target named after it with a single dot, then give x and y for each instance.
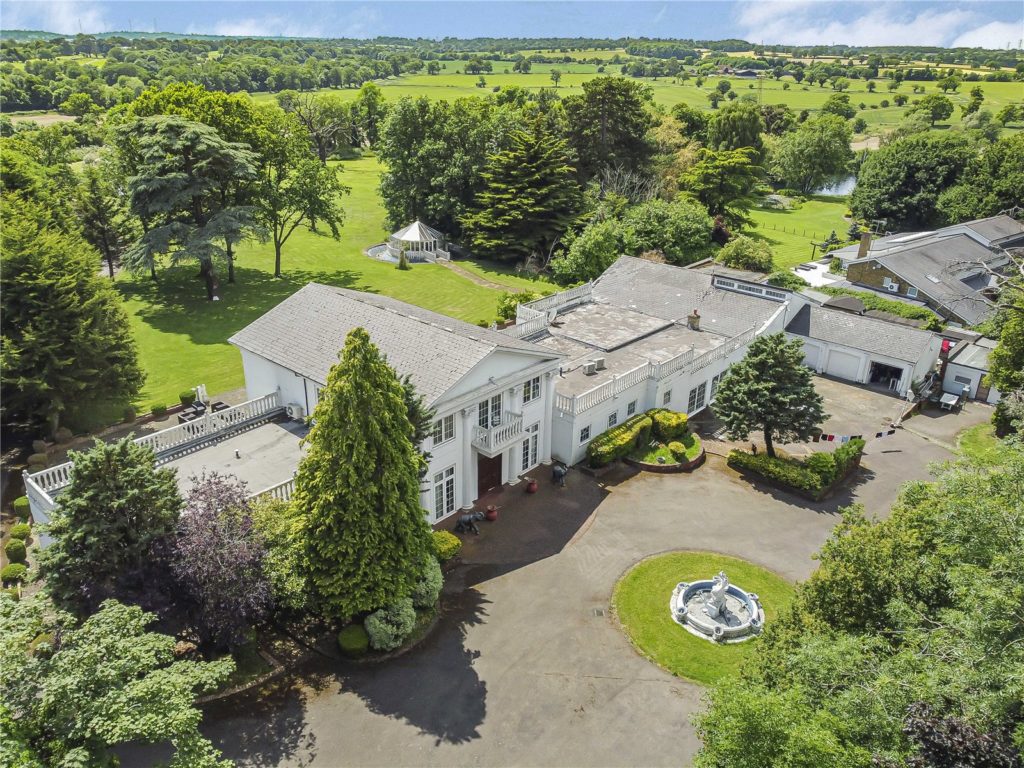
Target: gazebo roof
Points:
(417, 232)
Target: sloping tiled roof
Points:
(997, 229)
(306, 331)
(860, 332)
(670, 293)
(933, 267)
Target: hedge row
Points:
(814, 475)
(614, 443)
(882, 304)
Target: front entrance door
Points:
(488, 473)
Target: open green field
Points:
(182, 337)
(641, 602)
(667, 92)
(791, 232)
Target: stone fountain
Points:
(717, 610)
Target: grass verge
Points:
(641, 602)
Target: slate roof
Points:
(860, 332)
(305, 332)
(670, 293)
(933, 268)
(998, 230)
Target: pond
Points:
(838, 188)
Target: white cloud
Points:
(256, 26)
(817, 22)
(66, 17)
(995, 34)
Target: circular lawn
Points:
(641, 602)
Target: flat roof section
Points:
(267, 455)
(973, 356)
(604, 326)
(659, 347)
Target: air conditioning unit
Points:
(589, 369)
(893, 287)
(599, 363)
(295, 411)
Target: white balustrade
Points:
(281, 491)
(493, 439)
(530, 327)
(558, 301)
(169, 441)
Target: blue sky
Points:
(995, 24)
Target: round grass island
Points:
(641, 603)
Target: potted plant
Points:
(492, 513)
(531, 485)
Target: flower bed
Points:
(682, 455)
(814, 478)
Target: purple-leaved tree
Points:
(219, 560)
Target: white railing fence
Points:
(684, 361)
(169, 442)
(281, 491)
(559, 301)
(523, 329)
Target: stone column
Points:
(467, 467)
(548, 422)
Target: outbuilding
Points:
(864, 350)
(966, 369)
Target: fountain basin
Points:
(727, 615)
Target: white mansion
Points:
(642, 335)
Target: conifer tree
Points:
(364, 534)
(770, 390)
(66, 341)
(529, 199)
(106, 522)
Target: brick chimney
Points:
(865, 245)
(693, 320)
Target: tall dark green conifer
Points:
(365, 534)
(530, 198)
(770, 389)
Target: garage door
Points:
(843, 365)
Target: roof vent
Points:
(589, 368)
(599, 363)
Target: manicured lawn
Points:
(641, 602)
(182, 337)
(980, 443)
(505, 274)
(791, 232)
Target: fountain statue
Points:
(727, 613)
(714, 599)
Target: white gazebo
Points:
(420, 243)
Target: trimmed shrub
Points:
(158, 410)
(12, 593)
(848, 456)
(187, 397)
(389, 626)
(21, 531)
(823, 465)
(15, 551)
(353, 641)
(614, 443)
(21, 508)
(678, 450)
(785, 472)
(427, 589)
(668, 425)
(15, 573)
(446, 545)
